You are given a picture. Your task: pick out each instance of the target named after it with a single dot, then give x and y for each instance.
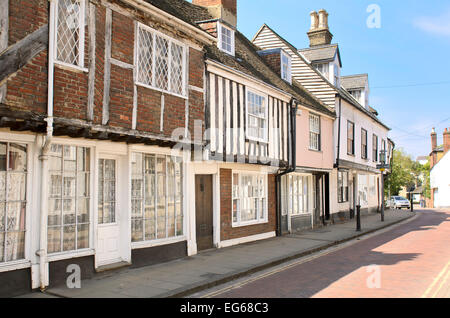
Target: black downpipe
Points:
(292, 167)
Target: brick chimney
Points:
(319, 34)
(446, 140)
(433, 139)
(225, 10)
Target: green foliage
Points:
(406, 172)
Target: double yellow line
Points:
(438, 283)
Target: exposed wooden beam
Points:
(19, 54)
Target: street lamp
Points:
(383, 168)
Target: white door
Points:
(108, 231)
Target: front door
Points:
(108, 233)
(204, 211)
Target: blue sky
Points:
(407, 59)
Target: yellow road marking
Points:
(442, 284)
(436, 281)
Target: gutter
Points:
(293, 166)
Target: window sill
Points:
(70, 254)
(160, 90)
(154, 243)
(314, 150)
(14, 265)
(261, 141)
(70, 67)
(242, 224)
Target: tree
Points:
(401, 173)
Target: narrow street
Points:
(411, 260)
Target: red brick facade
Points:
(27, 89)
(227, 232)
(274, 61)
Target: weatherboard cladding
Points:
(301, 70)
(305, 74)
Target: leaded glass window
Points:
(13, 181)
(70, 23)
(69, 198)
(161, 62)
(156, 197)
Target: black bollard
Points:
(358, 218)
(412, 202)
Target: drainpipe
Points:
(292, 167)
(339, 132)
(47, 140)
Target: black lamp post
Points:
(383, 165)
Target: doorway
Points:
(204, 211)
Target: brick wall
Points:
(226, 229)
(27, 89)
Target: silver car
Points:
(397, 202)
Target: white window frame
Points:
(81, 251)
(258, 220)
(290, 195)
(220, 28)
(317, 133)
(321, 66)
(170, 41)
(345, 198)
(287, 76)
(168, 239)
(265, 139)
(81, 26)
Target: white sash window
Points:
(161, 62)
(314, 132)
(249, 204)
(257, 114)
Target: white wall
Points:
(440, 179)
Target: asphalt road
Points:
(411, 260)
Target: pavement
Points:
(193, 274)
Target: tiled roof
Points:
(354, 81)
(320, 53)
(182, 10)
(248, 61)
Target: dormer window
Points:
(286, 67)
(225, 38)
(323, 68)
(356, 93)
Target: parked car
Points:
(397, 202)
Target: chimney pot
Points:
(323, 19)
(314, 20)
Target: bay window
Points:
(13, 181)
(69, 198)
(161, 62)
(249, 205)
(256, 117)
(69, 36)
(156, 197)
